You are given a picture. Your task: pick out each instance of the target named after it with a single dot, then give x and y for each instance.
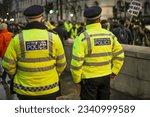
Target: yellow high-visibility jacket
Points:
(96, 53)
(73, 33)
(35, 58)
(49, 25)
(68, 26)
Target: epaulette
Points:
(52, 31)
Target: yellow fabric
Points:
(38, 78)
(68, 26)
(108, 26)
(80, 50)
(74, 33)
(49, 25)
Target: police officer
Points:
(73, 30)
(35, 59)
(97, 57)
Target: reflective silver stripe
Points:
(113, 36)
(118, 53)
(96, 63)
(100, 54)
(35, 59)
(101, 35)
(50, 43)
(113, 45)
(36, 89)
(36, 69)
(91, 64)
(61, 64)
(75, 67)
(9, 60)
(92, 55)
(60, 57)
(88, 42)
(77, 58)
(118, 58)
(22, 47)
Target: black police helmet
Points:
(93, 12)
(34, 11)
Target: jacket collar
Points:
(34, 25)
(94, 25)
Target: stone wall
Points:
(134, 77)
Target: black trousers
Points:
(4, 75)
(52, 96)
(95, 88)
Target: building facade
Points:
(20, 5)
(72, 9)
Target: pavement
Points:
(68, 90)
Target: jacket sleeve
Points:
(1, 45)
(60, 55)
(9, 61)
(118, 56)
(77, 59)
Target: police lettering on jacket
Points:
(101, 41)
(36, 45)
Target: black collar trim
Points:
(36, 25)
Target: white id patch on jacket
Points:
(101, 41)
(36, 45)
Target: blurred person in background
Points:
(49, 25)
(81, 27)
(139, 34)
(62, 32)
(5, 37)
(122, 33)
(73, 31)
(105, 24)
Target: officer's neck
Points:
(93, 21)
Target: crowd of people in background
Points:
(35, 56)
(136, 33)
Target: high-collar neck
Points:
(94, 25)
(36, 25)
